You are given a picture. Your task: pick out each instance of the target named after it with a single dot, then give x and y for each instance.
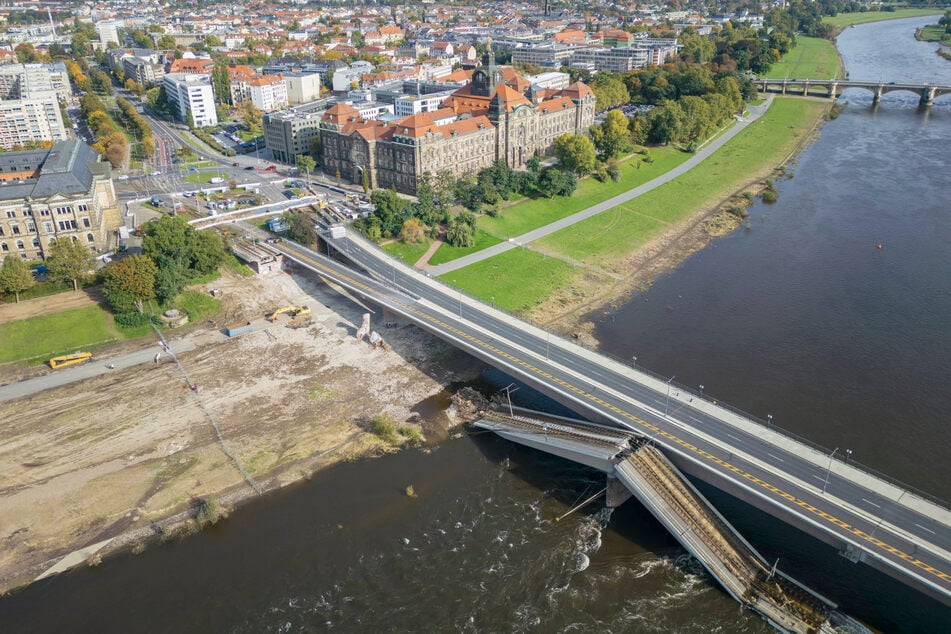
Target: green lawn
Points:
(934, 33)
(603, 238)
(407, 252)
(811, 58)
(198, 304)
(504, 281)
(533, 213)
(447, 252)
(848, 19)
(56, 334)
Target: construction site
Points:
(125, 455)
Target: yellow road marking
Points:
(649, 426)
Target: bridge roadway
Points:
(872, 520)
(834, 87)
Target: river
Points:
(800, 316)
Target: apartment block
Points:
(193, 95)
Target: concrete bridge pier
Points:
(833, 91)
(927, 96)
(617, 494)
(877, 94)
(805, 89)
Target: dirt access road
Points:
(122, 452)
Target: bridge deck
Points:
(874, 521)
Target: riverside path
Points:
(755, 112)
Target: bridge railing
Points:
(706, 396)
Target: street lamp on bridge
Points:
(667, 402)
(829, 470)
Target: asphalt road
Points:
(780, 475)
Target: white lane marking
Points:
(776, 457)
(925, 529)
(872, 503)
(819, 478)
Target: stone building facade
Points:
(499, 115)
(63, 193)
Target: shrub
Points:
(132, 320)
(614, 172)
(412, 435)
(770, 196)
(384, 428)
(209, 512)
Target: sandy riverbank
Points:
(127, 457)
(566, 312)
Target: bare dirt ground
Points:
(123, 452)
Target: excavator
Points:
(298, 313)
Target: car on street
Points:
(157, 173)
(124, 177)
(236, 164)
(249, 167)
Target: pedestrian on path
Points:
(157, 355)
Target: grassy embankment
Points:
(606, 239)
(811, 58)
(36, 339)
(934, 33)
(844, 20)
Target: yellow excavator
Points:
(296, 312)
(70, 359)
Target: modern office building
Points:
(193, 95)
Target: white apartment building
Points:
(268, 93)
(108, 31)
(34, 119)
(192, 94)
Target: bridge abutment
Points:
(927, 96)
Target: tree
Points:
(666, 122)
(252, 116)
(413, 231)
(133, 277)
(575, 153)
(460, 233)
(148, 147)
(15, 276)
(221, 82)
(175, 245)
(68, 261)
(315, 151)
(80, 45)
(366, 181)
(306, 164)
(301, 228)
(25, 53)
(612, 136)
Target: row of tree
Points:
(110, 141)
(67, 261)
(137, 124)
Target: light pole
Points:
(634, 366)
(848, 454)
(769, 420)
(829, 470)
(701, 391)
(667, 402)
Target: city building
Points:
(499, 116)
(29, 106)
(61, 193)
(302, 87)
(108, 31)
(191, 95)
(268, 92)
(292, 132)
(407, 105)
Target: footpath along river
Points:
(799, 316)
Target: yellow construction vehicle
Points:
(70, 359)
(293, 311)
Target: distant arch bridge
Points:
(832, 88)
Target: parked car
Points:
(124, 177)
(249, 167)
(236, 164)
(157, 173)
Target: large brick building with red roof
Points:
(499, 115)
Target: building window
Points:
(44, 212)
(15, 228)
(83, 207)
(11, 214)
(86, 223)
(75, 239)
(36, 243)
(30, 227)
(20, 244)
(48, 227)
(4, 247)
(90, 237)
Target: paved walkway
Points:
(755, 113)
(95, 367)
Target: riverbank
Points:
(114, 461)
